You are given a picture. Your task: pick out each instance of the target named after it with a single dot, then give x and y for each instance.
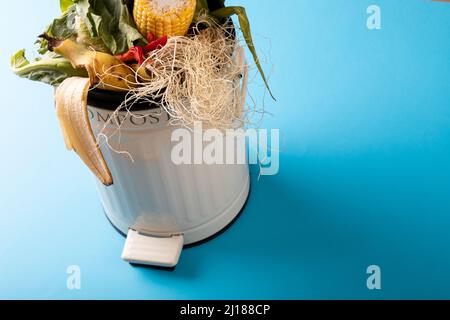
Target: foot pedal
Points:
(152, 251)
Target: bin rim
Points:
(112, 100)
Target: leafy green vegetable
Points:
(105, 25)
(245, 27)
(52, 71)
(111, 21)
(66, 26)
(84, 37)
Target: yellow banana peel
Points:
(72, 112)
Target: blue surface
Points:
(365, 169)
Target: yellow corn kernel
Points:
(159, 17)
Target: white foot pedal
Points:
(152, 251)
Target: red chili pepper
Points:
(134, 54)
(156, 44)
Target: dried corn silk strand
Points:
(195, 78)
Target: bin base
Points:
(210, 230)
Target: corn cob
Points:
(164, 17)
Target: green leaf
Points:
(52, 71)
(246, 31)
(111, 21)
(105, 25)
(65, 5)
(18, 60)
(64, 27)
(84, 37)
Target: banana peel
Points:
(105, 71)
(71, 109)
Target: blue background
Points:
(365, 169)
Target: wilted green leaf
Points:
(65, 26)
(51, 71)
(246, 31)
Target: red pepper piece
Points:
(139, 54)
(156, 44)
(127, 56)
(150, 37)
(134, 54)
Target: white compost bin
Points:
(159, 205)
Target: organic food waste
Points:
(181, 54)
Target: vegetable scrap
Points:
(139, 53)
